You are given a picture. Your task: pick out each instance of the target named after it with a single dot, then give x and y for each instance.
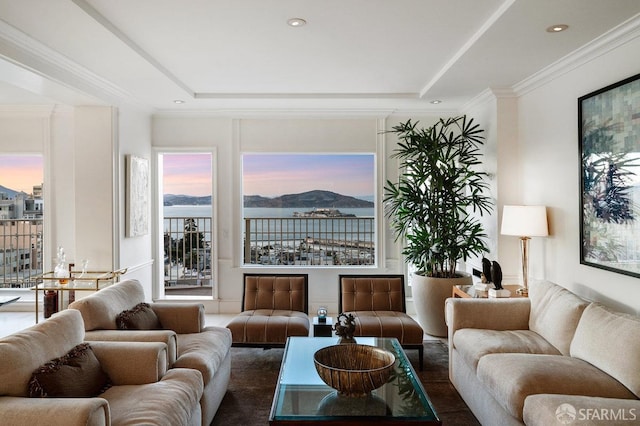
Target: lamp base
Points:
(523, 291)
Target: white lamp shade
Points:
(525, 221)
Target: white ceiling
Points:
(240, 55)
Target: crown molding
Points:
(29, 54)
(310, 95)
(623, 33)
(244, 113)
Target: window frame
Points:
(158, 222)
(378, 217)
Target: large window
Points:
(186, 184)
(21, 220)
(309, 209)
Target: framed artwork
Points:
(137, 196)
(609, 138)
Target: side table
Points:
(322, 329)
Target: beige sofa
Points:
(549, 359)
(143, 391)
(190, 343)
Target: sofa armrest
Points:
(132, 363)
(168, 337)
(542, 410)
(490, 314)
(17, 411)
(180, 317)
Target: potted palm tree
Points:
(435, 208)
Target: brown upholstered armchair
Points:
(274, 307)
(378, 304)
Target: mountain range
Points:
(309, 199)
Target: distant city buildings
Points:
(20, 237)
(21, 205)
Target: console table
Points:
(77, 281)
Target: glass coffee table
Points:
(302, 397)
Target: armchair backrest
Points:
(276, 291)
(99, 310)
(23, 352)
(372, 293)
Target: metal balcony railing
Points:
(21, 258)
(309, 241)
(187, 255)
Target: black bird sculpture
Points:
(486, 270)
(496, 275)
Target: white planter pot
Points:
(429, 295)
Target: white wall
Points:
(230, 138)
(133, 253)
(549, 174)
(95, 171)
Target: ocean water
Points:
(205, 211)
(341, 228)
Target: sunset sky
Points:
(268, 175)
(272, 175)
(187, 174)
(21, 172)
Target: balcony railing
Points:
(20, 252)
(187, 256)
(309, 241)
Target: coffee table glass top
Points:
(301, 395)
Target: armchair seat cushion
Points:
(388, 324)
(264, 326)
(510, 378)
(473, 343)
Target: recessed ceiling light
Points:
(178, 101)
(296, 22)
(436, 101)
(557, 28)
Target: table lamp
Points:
(525, 222)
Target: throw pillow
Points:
(77, 374)
(140, 317)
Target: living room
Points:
(531, 150)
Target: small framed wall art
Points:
(137, 209)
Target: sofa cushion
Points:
(472, 344)
(204, 351)
(77, 374)
(27, 350)
(171, 401)
(555, 313)
(99, 310)
(140, 317)
(610, 341)
(510, 378)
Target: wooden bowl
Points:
(354, 369)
